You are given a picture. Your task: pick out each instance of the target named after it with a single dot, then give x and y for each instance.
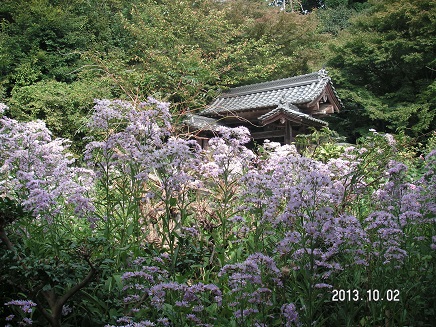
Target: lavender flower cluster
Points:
(227, 154)
(38, 171)
(298, 215)
(309, 199)
(26, 308)
(252, 284)
(299, 197)
(304, 203)
(151, 292)
(136, 142)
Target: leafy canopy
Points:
(386, 65)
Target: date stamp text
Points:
(340, 295)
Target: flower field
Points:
(148, 229)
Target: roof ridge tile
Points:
(276, 84)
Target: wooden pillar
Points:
(288, 132)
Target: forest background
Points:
(57, 56)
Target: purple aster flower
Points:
(66, 310)
(323, 285)
(26, 305)
(163, 321)
(290, 314)
(3, 108)
(42, 169)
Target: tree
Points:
(59, 55)
(385, 63)
(64, 107)
(215, 45)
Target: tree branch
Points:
(79, 286)
(56, 304)
(5, 239)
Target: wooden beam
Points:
(288, 132)
(267, 134)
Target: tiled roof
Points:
(293, 112)
(295, 90)
(200, 122)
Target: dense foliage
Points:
(158, 232)
(57, 56)
(385, 62)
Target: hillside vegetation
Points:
(57, 56)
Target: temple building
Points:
(276, 110)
